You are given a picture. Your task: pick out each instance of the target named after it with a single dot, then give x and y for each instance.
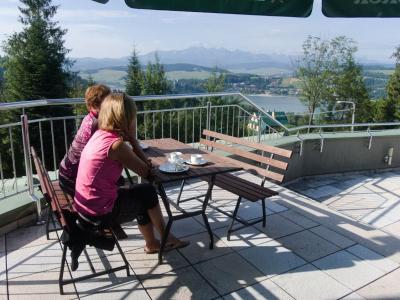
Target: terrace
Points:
(329, 234)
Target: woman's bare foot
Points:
(151, 248)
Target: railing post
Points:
(259, 128)
(28, 166)
(208, 125)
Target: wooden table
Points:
(157, 151)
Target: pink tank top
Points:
(96, 184)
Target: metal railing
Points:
(52, 136)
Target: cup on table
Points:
(175, 157)
(196, 158)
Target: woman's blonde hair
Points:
(117, 113)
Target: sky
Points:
(113, 29)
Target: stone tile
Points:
(199, 250)
(243, 238)
(298, 219)
(271, 205)
(277, 226)
(393, 228)
(215, 219)
(348, 269)
(27, 237)
(2, 243)
(147, 264)
(110, 286)
(333, 237)
(39, 285)
(184, 283)
(308, 245)
(186, 227)
(8, 228)
(272, 258)
(3, 278)
(386, 287)
(250, 210)
(353, 296)
(380, 218)
(35, 259)
(375, 259)
(229, 273)
(266, 289)
(123, 288)
(135, 239)
(307, 282)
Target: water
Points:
(279, 103)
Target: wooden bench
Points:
(268, 167)
(61, 207)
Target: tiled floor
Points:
(373, 199)
(306, 251)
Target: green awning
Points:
(361, 8)
(285, 8)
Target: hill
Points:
(207, 57)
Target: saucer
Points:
(202, 162)
(172, 168)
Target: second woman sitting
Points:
(97, 195)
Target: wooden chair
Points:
(268, 168)
(66, 217)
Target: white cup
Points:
(175, 157)
(196, 158)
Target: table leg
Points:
(180, 191)
(167, 229)
(203, 211)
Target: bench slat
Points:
(239, 141)
(261, 172)
(262, 159)
(263, 191)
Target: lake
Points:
(279, 103)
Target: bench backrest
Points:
(271, 161)
(48, 190)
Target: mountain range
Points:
(206, 57)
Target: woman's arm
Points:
(138, 150)
(121, 152)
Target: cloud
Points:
(91, 14)
(9, 12)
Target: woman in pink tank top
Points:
(97, 194)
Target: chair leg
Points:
(164, 241)
(123, 256)
(233, 218)
(264, 214)
(89, 261)
(49, 216)
(63, 260)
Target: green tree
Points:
(155, 81)
(90, 81)
(391, 107)
(313, 70)
(329, 73)
(347, 83)
(37, 67)
(135, 77)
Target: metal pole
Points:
(353, 117)
(208, 125)
(28, 167)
